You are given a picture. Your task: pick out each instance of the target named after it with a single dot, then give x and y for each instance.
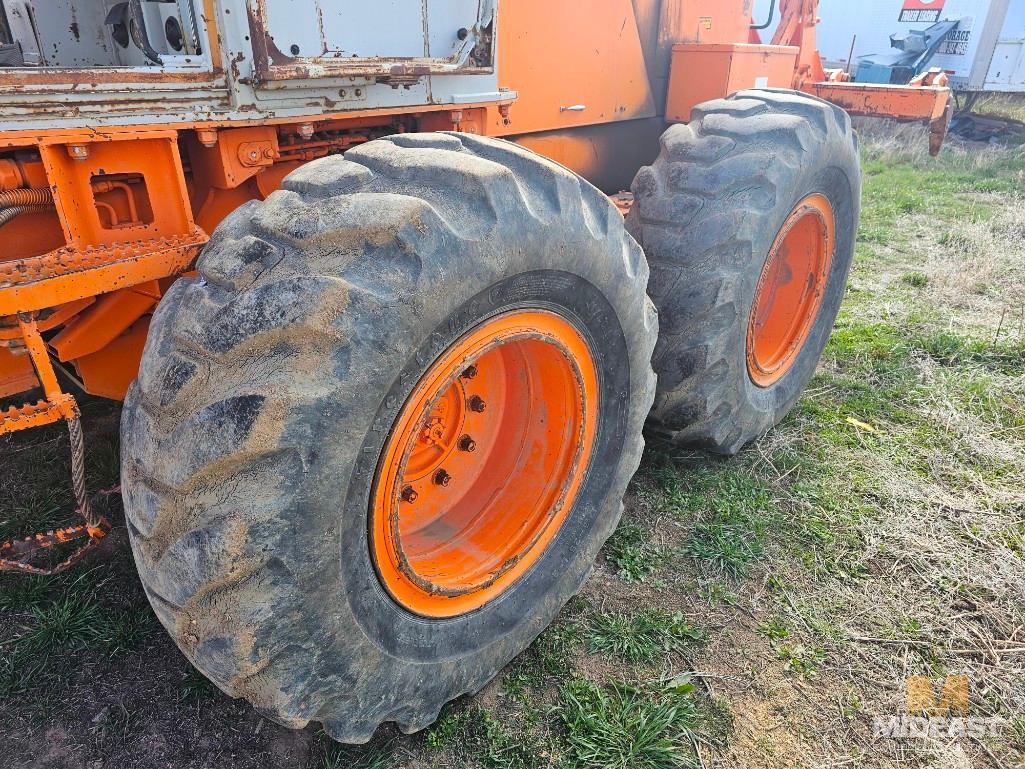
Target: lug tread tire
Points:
(702, 213)
(300, 298)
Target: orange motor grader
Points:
(385, 349)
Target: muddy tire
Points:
(269, 388)
(713, 214)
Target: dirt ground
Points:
(763, 611)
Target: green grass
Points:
(125, 630)
(21, 592)
(196, 688)
(379, 754)
(916, 279)
(476, 736)
(72, 612)
(727, 511)
(632, 554)
(1002, 105)
(641, 637)
(899, 183)
(774, 630)
(114, 725)
(717, 594)
(801, 660)
(547, 661)
(626, 727)
(727, 546)
(1016, 730)
(61, 626)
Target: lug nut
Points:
(470, 372)
(466, 443)
(442, 478)
(409, 494)
(477, 404)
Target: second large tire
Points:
(708, 213)
(269, 388)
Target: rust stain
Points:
(93, 77)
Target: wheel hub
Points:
(790, 290)
(483, 463)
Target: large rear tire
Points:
(292, 522)
(748, 219)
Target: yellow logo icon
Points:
(922, 697)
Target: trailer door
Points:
(1007, 71)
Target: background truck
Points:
(385, 375)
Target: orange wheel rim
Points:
(483, 463)
(790, 290)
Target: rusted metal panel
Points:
(67, 274)
(244, 78)
(391, 41)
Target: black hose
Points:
(32, 196)
(772, 15)
(7, 214)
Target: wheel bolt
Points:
(442, 478)
(466, 443)
(470, 372)
(409, 494)
(477, 404)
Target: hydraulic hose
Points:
(7, 214)
(16, 202)
(35, 196)
(772, 15)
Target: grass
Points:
(758, 611)
(35, 652)
(348, 757)
(641, 637)
(114, 724)
(1002, 105)
(916, 279)
(63, 624)
(475, 735)
(196, 688)
(626, 727)
(801, 660)
(547, 660)
(630, 551)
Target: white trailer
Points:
(985, 53)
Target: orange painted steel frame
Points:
(134, 205)
(132, 208)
